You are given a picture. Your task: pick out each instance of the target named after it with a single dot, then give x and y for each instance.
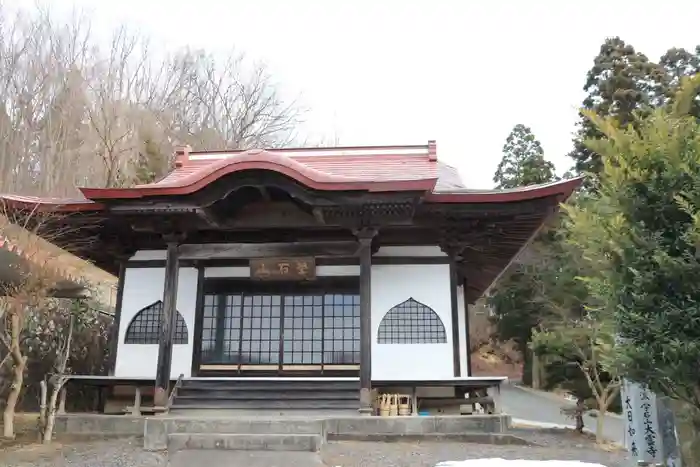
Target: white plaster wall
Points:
(227, 271)
(462, 323)
(142, 287)
(424, 251)
(345, 270)
(391, 285)
(430, 285)
(147, 255)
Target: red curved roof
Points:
(51, 204)
(374, 169)
(560, 189)
(408, 168)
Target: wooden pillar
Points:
(114, 338)
(457, 370)
(467, 323)
(536, 372)
(165, 347)
(220, 332)
(136, 408)
(62, 400)
(364, 238)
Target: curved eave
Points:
(262, 160)
(562, 190)
(50, 204)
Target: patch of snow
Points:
(536, 424)
(514, 463)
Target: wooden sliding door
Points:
(249, 328)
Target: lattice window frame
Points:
(411, 322)
(145, 327)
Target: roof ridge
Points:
(320, 148)
(184, 155)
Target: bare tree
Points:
(488, 355)
(40, 269)
(40, 92)
(228, 103)
(125, 108)
(73, 113)
(58, 381)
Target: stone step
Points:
(269, 403)
(247, 394)
(274, 386)
(227, 423)
(218, 412)
(277, 395)
(197, 402)
(246, 458)
(244, 442)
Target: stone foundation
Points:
(160, 432)
(100, 425)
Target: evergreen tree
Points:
(621, 83)
(151, 164)
(640, 237)
(523, 161)
(515, 297)
(675, 64)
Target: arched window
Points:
(146, 325)
(411, 322)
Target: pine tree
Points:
(621, 83)
(523, 161)
(151, 163)
(514, 299)
(675, 64)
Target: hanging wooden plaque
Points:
(283, 269)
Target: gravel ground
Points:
(129, 453)
(429, 454)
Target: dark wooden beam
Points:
(467, 343)
(165, 344)
(455, 319)
(161, 224)
(267, 215)
(267, 250)
(364, 238)
(264, 193)
(114, 341)
(220, 318)
(318, 215)
(476, 210)
(399, 212)
(209, 217)
(198, 322)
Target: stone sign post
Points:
(650, 429)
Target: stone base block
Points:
(418, 425)
(476, 438)
(100, 425)
(244, 442)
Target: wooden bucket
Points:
(393, 405)
(384, 405)
(404, 403)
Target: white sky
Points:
(462, 72)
